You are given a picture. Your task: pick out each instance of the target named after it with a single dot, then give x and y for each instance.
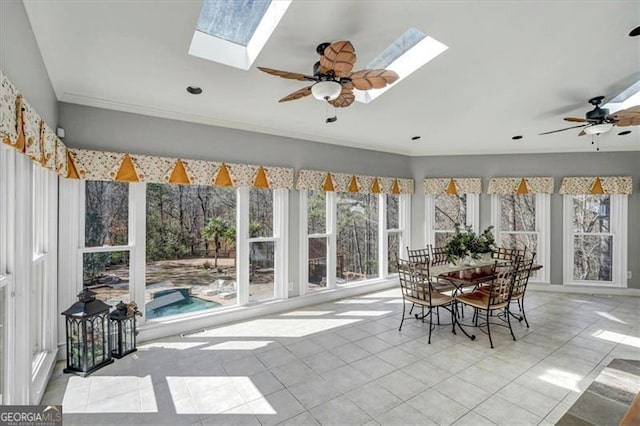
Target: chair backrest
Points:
(507, 255)
(413, 281)
(418, 255)
(502, 285)
(438, 255)
(522, 277)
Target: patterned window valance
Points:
(22, 128)
(521, 185)
(597, 185)
(121, 167)
(452, 186)
(342, 182)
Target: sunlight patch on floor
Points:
(269, 327)
(612, 336)
(610, 317)
(364, 313)
(216, 394)
(357, 301)
(306, 313)
(241, 345)
(561, 378)
(170, 345)
(109, 394)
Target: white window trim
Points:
(473, 215)
(404, 221)
(619, 218)
(543, 228)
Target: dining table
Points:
(463, 276)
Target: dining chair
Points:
(495, 297)
(417, 289)
(422, 257)
(438, 255)
(507, 255)
(520, 287)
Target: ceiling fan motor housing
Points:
(597, 114)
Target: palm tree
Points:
(216, 228)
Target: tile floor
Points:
(345, 363)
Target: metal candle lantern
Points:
(88, 330)
(123, 329)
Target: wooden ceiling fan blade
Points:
(372, 79)
(345, 99)
(562, 130)
(626, 114)
(305, 91)
(575, 119)
(339, 57)
(287, 74)
(626, 122)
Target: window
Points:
(444, 211)
(39, 278)
(522, 222)
(262, 245)
(595, 239)
(190, 249)
(317, 240)
(394, 232)
(357, 237)
(106, 252)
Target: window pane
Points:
(190, 240)
(592, 257)
(106, 213)
(518, 212)
(449, 210)
(316, 212)
(394, 252)
(260, 213)
(357, 237)
(317, 263)
(107, 274)
(393, 211)
(441, 238)
(591, 213)
(520, 241)
(36, 302)
(261, 270)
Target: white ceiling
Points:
(512, 68)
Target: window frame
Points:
(331, 202)
(619, 218)
(543, 231)
(472, 202)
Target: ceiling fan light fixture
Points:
(598, 129)
(326, 90)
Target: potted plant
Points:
(465, 245)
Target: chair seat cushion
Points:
(479, 299)
(437, 299)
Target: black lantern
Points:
(123, 329)
(87, 325)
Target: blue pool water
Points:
(191, 304)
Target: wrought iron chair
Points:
(422, 257)
(438, 255)
(417, 289)
(496, 297)
(520, 287)
(506, 256)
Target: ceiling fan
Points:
(332, 76)
(598, 120)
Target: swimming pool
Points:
(191, 304)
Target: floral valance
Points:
(22, 128)
(121, 167)
(343, 182)
(521, 185)
(597, 185)
(452, 186)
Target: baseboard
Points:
(606, 291)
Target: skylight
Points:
(628, 98)
(408, 53)
(234, 32)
